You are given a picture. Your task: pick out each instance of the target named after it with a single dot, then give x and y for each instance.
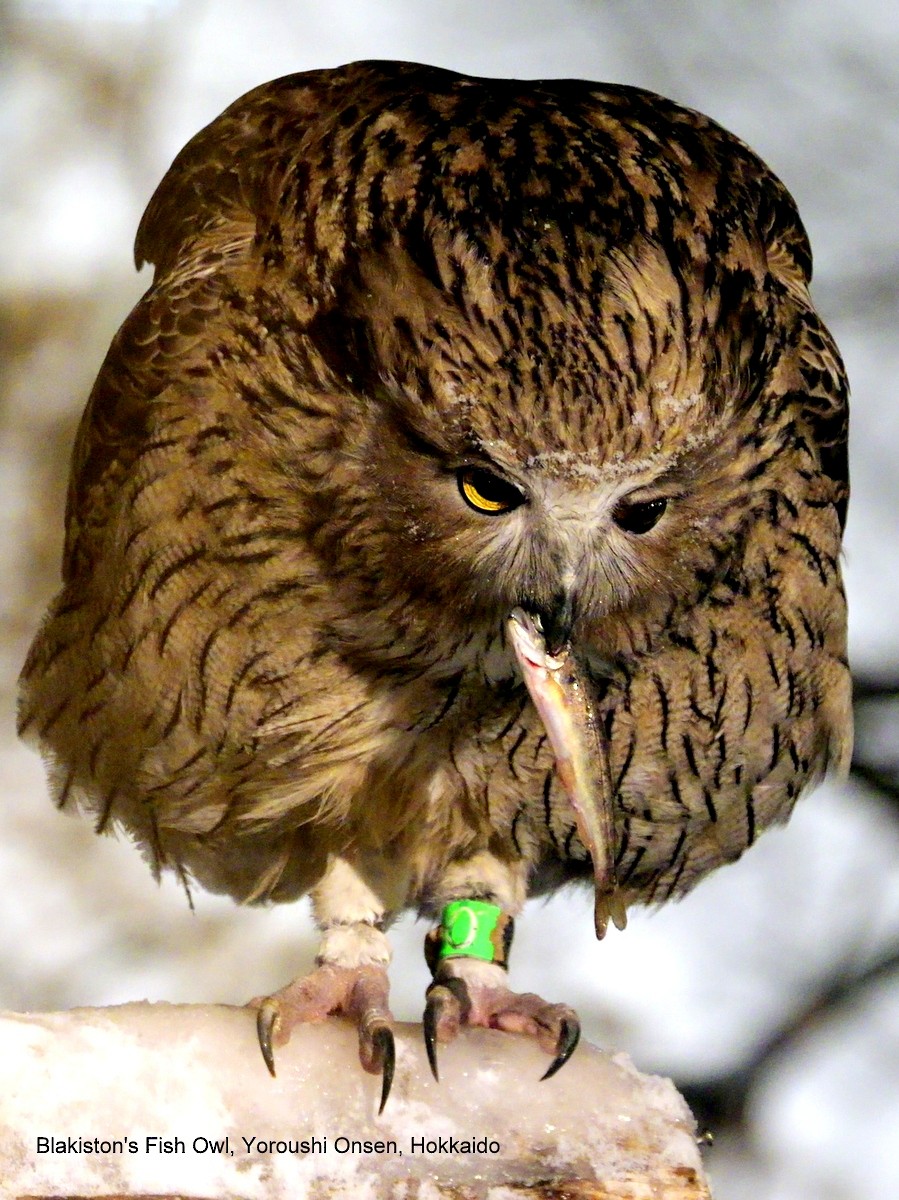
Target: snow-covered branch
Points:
(175, 1100)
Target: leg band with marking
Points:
(471, 929)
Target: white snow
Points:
(184, 1103)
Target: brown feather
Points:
(279, 636)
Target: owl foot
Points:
(473, 993)
(359, 993)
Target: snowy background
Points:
(95, 100)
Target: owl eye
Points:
(639, 516)
(487, 493)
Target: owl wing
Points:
(824, 399)
(822, 396)
(166, 333)
(198, 230)
(212, 229)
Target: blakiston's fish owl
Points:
(457, 514)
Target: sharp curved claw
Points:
(266, 1019)
(382, 1040)
(448, 1002)
(569, 1036)
(429, 1026)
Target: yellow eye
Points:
(486, 492)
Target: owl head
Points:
(564, 329)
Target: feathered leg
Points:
(468, 956)
(352, 904)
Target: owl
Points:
(457, 516)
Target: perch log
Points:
(164, 1101)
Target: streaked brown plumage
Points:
(384, 294)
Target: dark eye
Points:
(638, 517)
(486, 492)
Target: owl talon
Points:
(266, 1023)
(476, 1000)
(569, 1036)
(448, 1006)
(429, 1026)
(357, 993)
(383, 1053)
(377, 1049)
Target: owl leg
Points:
(468, 956)
(350, 976)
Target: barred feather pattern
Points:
(280, 630)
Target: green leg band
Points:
(471, 929)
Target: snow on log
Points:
(166, 1100)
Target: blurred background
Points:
(771, 994)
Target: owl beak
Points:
(556, 621)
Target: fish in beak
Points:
(558, 688)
